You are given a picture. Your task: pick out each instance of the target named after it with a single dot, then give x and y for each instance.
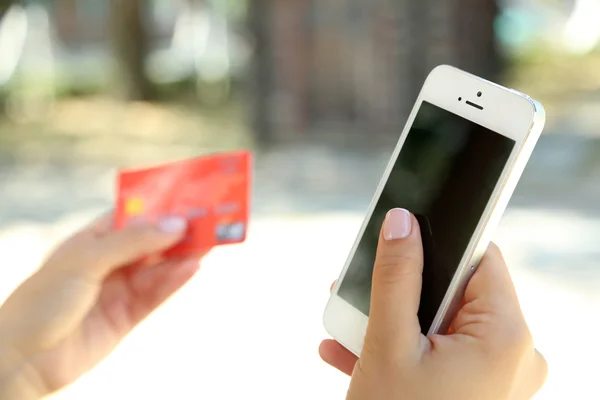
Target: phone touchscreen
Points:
(445, 174)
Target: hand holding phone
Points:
(455, 167)
(489, 354)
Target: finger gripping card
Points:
(211, 192)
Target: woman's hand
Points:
(86, 297)
(487, 355)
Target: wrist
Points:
(17, 379)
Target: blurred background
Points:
(320, 91)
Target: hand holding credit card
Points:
(212, 193)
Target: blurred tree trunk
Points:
(130, 47)
(476, 38)
(259, 24)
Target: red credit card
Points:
(211, 192)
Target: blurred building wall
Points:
(356, 63)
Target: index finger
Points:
(491, 306)
(492, 283)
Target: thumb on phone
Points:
(396, 289)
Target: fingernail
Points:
(397, 225)
(172, 225)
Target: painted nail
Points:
(173, 225)
(397, 225)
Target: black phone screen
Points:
(445, 175)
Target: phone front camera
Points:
(479, 94)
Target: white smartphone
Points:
(455, 167)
